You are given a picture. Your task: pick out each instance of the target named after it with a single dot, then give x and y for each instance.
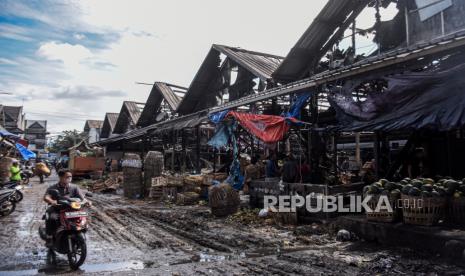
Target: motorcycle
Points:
(26, 176)
(13, 185)
(7, 202)
(69, 237)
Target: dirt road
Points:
(147, 238)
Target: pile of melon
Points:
(419, 187)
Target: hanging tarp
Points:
(218, 116)
(6, 134)
(222, 136)
(25, 153)
(298, 103)
(268, 128)
(433, 100)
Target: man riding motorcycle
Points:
(66, 189)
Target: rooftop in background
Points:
(36, 123)
(93, 124)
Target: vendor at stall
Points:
(271, 169)
(251, 172)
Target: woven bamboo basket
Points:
(223, 199)
(422, 211)
(456, 211)
(188, 198)
(383, 215)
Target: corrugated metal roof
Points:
(199, 94)
(333, 19)
(108, 124)
(160, 91)
(128, 116)
(261, 65)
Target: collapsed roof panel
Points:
(108, 124)
(160, 92)
(328, 26)
(128, 117)
(207, 81)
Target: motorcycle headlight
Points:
(76, 205)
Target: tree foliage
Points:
(67, 139)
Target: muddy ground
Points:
(149, 238)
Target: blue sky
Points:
(68, 61)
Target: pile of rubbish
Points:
(109, 185)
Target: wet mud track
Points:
(148, 238)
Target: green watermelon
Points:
(414, 192)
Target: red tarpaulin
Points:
(268, 128)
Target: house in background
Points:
(92, 129)
(36, 134)
(108, 125)
(13, 119)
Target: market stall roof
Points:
(188, 121)
(109, 123)
(325, 29)
(160, 91)
(426, 100)
(128, 116)
(261, 65)
(93, 124)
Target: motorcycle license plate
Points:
(75, 214)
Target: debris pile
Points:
(109, 185)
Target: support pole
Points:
(198, 150)
(358, 159)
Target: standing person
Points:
(252, 172)
(271, 169)
(15, 172)
(290, 170)
(305, 171)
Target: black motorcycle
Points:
(69, 237)
(14, 185)
(7, 202)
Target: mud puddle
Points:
(85, 268)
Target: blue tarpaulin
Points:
(300, 101)
(218, 116)
(5, 133)
(221, 137)
(25, 153)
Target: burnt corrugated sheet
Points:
(128, 117)
(160, 91)
(309, 48)
(206, 82)
(108, 124)
(260, 64)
